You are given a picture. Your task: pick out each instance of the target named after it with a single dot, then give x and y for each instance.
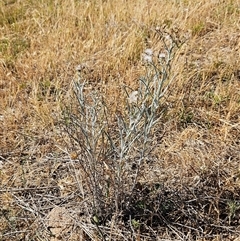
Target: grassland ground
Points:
(188, 188)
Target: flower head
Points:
(133, 97)
(148, 52)
(162, 56)
(147, 56)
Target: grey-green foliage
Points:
(109, 151)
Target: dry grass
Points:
(189, 190)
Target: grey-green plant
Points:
(112, 153)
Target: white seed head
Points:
(147, 56)
(148, 52)
(162, 55)
(79, 68)
(133, 97)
